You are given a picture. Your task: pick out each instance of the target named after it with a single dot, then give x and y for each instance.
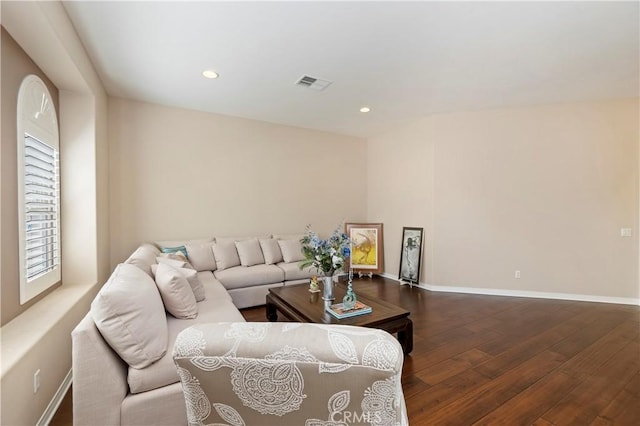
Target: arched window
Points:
(38, 189)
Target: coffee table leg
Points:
(405, 337)
(272, 312)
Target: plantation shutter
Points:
(41, 202)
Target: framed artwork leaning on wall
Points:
(410, 255)
(367, 247)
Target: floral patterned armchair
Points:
(290, 374)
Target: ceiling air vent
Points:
(313, 83)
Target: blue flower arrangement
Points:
(327, 256)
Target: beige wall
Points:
(544, 190)
(16, 65)
(39, 338)
(179, 174)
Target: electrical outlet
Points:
(626, 232)
(517, 274)
(36, 381)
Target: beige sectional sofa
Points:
(248, 266)
(123, 372)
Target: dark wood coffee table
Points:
(296, 303)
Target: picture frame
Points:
(410, 255)
(367, 248)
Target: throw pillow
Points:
(271, 251)
(172, 262)
(249, 252)
(291, 250)
(175, 256)
(129, 313)
(226, 255)
(144, 257)
(194, 282)
(176, 292)
(177, 249)
(201, 256)
(192, 277)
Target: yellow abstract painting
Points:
(364, 245)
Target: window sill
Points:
(23, 333)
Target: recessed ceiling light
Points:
(210, 74)
(365, 109)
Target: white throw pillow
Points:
(176, 292)
(201, 256)
(194, 282)
(249, 252)
(130, 315)
(144, 257)
(178, 255)
(291, 250)
(271, 251)
(192, 277)
(226, 255)
(172, 262)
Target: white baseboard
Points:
(524, 293)
(48, 414)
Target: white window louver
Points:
(41, 201)
(38, 145)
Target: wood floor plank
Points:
(530, 404)
(452, 366)
(480, 402)
(634, 384)
(454, 348)
(592, 357)
(541, 422)
(623, 410)
(597, 389)
(525, 349)
(421, 406)
(577, 342)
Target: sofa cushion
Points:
(217, 307)
(249, 252)
(177, 296)
(293, 272)
(192, 277)
(130, 315)
(291, 250)
(176, 243)
(271, 251)
(144, 257)
(181, 249)
(174, 263)
(241, 276)
(213, 289)
(234, 239)
(226, 255)
(201, 256)
(194, 282)
(178, 255)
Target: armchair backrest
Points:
(290, 374)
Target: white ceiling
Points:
(403, 59)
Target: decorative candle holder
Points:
(349, 300)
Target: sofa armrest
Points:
(99, 377)
(290, 374)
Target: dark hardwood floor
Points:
(490, 360)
